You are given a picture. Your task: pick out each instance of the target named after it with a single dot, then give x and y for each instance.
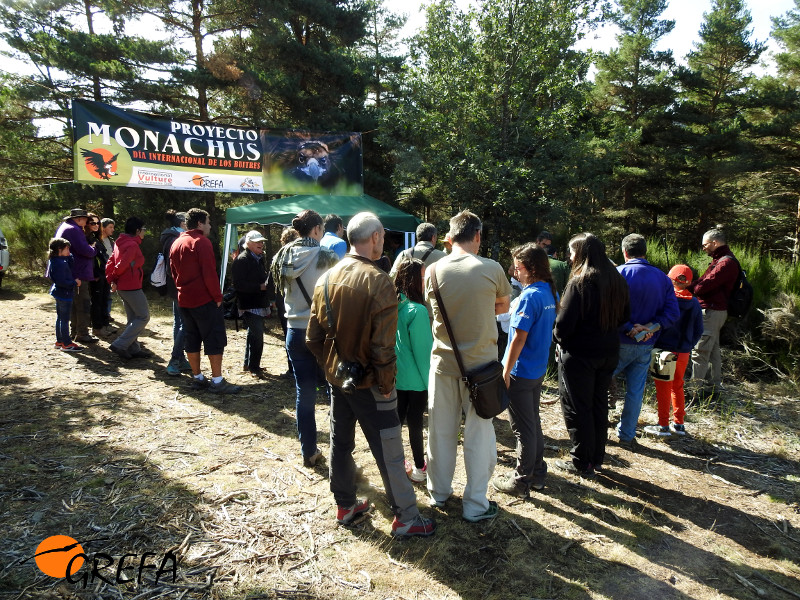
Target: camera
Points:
(351, 373)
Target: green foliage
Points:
(28, 233)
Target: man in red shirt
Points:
(193, 268)
(713, 290)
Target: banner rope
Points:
(25, 187)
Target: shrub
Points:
(28, 233)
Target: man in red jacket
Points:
(713, 290)
(193, 268)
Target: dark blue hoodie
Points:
(59, 270)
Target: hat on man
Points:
(76, 213)
(677, 271)
(254, 236)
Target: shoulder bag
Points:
(487, 388)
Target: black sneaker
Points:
(121, 352)
(199, 384)
(628, 444)
(224, 387)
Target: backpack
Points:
(741, 298)
(158, 278)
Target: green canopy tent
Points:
(283, 210)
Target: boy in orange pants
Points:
(680, 339)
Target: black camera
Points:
(352, 373)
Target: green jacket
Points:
(413, 344)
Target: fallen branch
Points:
(525, 535)
(780, 587)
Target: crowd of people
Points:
(372, 333)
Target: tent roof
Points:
(283, 210)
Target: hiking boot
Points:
(199, 384)
(570, 467)
(678, 428)
(418, 526)
(86, 339)
(224, 387)
(121, 352)
(628, 444)
(311, 461)
(72, 347)
(490, 513)
(173, 368)
(658, 430)
(417, 475)
(509, 485)
(345, 515)
(184, 364)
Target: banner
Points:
(114, 146)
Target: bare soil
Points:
(127, 460)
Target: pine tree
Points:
(713, 116)
(634, 88)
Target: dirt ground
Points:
(128, 461)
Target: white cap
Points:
(254, 236)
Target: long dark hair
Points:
(92, 236)
(534, 259)
(591, 267)
(305, 221)
(408, 279)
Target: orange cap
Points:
(678, 270)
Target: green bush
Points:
(28, 233)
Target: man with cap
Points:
(679, 339)
(250, 281)
(71, 229)
(713, 288)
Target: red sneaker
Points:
(419, 526)
(72, 347)
(347, 514)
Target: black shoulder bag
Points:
(487, 388)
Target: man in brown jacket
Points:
(351, 332)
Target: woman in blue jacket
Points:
(413, 344)
(524, 365)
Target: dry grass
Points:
(126, 460)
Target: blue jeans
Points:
(63, 310)
(634, 359)
(254, 346)
(304, 366)
(178, 334)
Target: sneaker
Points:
(628, 444)
(58, 345)
(173, 368)
(345, 515)
(184, 364)
(199, 384)
(311, 461)
(509, 485)
(657, 430)
(72, 347)
(569, 467)
(86, 339)
(121, 352)
(417, 475)
(224, 387)
(678, 428)
(419, 526)
(141, 353)
(490, 513)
